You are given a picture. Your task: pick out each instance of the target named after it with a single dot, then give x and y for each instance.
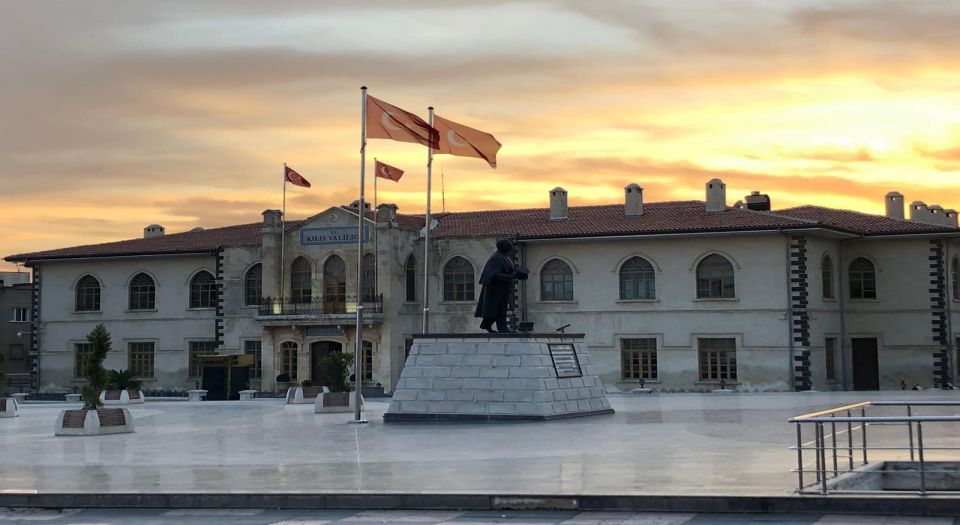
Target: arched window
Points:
(367, 357)
(335, 285)
(301, 281)
(636, 280)
(955, 277)
(253, 286)
(556, 281)
(863, 279)
(826, 277)
(715, 278)
(368, 282)
(288, 359)
(143, 292)
(410, 279)
(458, 280)
(203, 290)
(88, 294)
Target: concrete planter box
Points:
(73, 398)
(304, 395)
(8, 407)
(121, 397)
(94, 422)
(247, 395)
(330, 402)
(195, 396)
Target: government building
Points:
(690, 295)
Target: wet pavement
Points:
(683, 444)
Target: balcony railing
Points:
(320, 305)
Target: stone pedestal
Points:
(73, 398)
(463, 377)
(247, 395)
(20, 397)
(196, 395)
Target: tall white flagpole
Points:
(283, 218)
(376, 234)
(426, 238)
(357, 361)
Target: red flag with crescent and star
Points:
(386, 121)
(386, 171)
(294, 178)
(457, 139)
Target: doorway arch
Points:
(318, 350)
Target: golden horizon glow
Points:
(184, 116)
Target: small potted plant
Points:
(8, 405)
(123, 388)
(334, 370)
(93, 419)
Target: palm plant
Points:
(96, 375)
(123, 380)
(334, 370)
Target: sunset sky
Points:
(118, 114)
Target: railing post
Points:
(910, 431)
(799, 457)
(833, 439)
(923, 474)
(823, 460)
(849, 442)
(863, 433)
(816, 448)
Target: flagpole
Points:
(376, 234)
(426, 237)
(357, 361)
(283, 218)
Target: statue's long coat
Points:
(497, 282)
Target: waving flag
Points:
(386, 171)
(462, 141)
(294, 178)
(386, 121)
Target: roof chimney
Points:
(633, 200)
(558, 204)
(919, 212)
(716, 195)
(356, 203)
(757, 201)
(154, 230)
(387, 213)
(272, 219)
(894, 201)
(936, 214)
(950, 217)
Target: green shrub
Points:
(334, 369)
(123, 380)
(96, 375)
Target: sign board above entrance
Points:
(319, 331)
(332, 235)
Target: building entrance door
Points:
(866, 367)
(318, 350)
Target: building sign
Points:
(321, 331)
(332, 235)
(565, 360)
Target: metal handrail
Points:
(830, 417)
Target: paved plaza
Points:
(355, 517)
(682, 444)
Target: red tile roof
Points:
(582, 221)
(862, 223)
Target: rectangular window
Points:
(638, 358)
(140, 359)
(20, 315)
(718, 359)
(197, 349)
(16, 352)
(830, 357)
(253, 348)
(81, 356)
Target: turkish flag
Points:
(294, 178)
(462, 141)
(386, 171)
(386, 121)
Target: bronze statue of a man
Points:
(497, 281)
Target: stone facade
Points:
(783, 319)
(15, 329)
